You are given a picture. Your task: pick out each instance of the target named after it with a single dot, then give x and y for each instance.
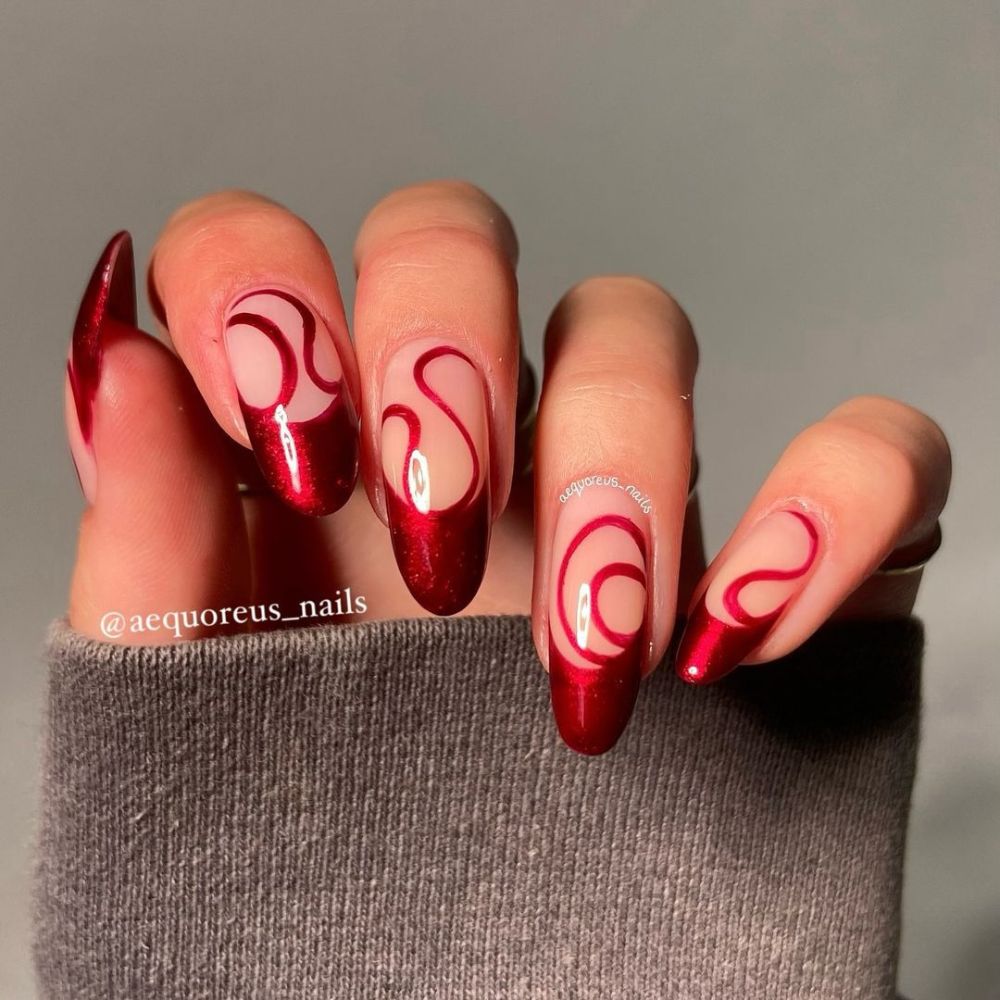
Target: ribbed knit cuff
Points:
(384, 810)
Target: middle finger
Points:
(436, 334)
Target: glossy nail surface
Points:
(748, 595)
(299, 415)
(597, 616)
(435, 466)
(109, 298)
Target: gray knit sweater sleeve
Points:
(384, 811)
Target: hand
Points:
(172, 547)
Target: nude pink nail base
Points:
(299, 415)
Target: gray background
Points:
(817, 183)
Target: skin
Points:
(168, 529)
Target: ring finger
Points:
(612, 467)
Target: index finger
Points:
(248, 294)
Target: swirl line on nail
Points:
(731, 595)
(593, 587)
(286, 354)
(412, 420)
(302, 425)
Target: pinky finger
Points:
(864, 485)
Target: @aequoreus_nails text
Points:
(577, 486)
(344, 603)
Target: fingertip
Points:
(437, 336)
(249, 296)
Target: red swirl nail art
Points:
(298, 413)
(437, 491)
(108, 299)
(712, 646)
(597, 624)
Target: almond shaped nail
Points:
(109, 296)
(299, 414)
(597, 616)
(747, 596)
(435, 466)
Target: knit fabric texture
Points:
(384, 810)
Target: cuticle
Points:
(813, 510)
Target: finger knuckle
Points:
(905, 426)
(631, 310)
(848, 455)
(927, 432)
(433, 210)
(594, 387)
(454, 190)
(226, 226)
(215, 203)
(597, 288)
(421, 260)
(891, 412)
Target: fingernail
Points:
(435, 464)
(299, 414)
(748, 595)
(597, 615)
(109, 298)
